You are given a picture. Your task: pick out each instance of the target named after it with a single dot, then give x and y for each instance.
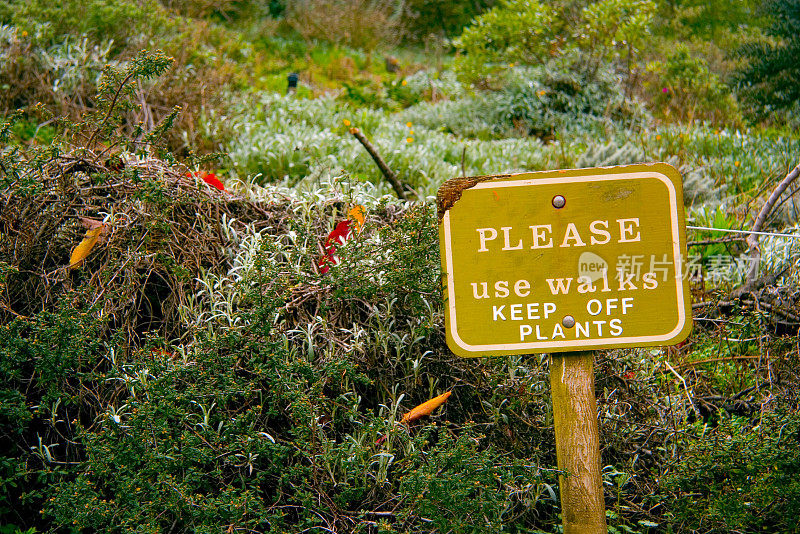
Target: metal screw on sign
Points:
(568, 321)
(559, 202)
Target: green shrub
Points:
(269, 412)
(612, 30)
(516, 31)
(768, 81)
(463, 488)
(441, 18)
(126, 23)
(552, 69)
(741, 475)
(252, 422)
(545, 102)
(46, 363)
(708, 19)
(683, 88)
(521, 32)
(54, 54)
(365, 24)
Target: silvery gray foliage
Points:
(611, 154)
(546, 101)
(75, 62)
(789, 212)
(698, 186)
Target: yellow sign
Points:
(564, 260)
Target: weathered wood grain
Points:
(577, 443)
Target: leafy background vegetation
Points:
(200, 373)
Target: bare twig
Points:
(766, 279)
(397, 185)
(685, 387)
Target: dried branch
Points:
(397, 185)
(43, 228)
(751, 281)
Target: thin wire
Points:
(732, 231)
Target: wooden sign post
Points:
(583, 510)
(566, 262)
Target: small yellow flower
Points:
(736, 164)
(404, 82)
(411, 132)
(346, 122)
(542, 92)
(409, 139)
(658, 138)
(716, 132)
(24, 33)
(512, 65)
(409, 124)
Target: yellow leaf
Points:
(357, 215)
(83, 249)
(426, 408)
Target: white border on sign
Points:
(578, 342)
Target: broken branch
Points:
(752, 239)
(397, 185)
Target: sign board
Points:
(564, 260)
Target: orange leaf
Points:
(83, 249)
(357, 215)
(426, 408)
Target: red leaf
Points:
(211, 179)
(326, 261)
(339, 235)
(208, 177)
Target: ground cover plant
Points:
(217, 315)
